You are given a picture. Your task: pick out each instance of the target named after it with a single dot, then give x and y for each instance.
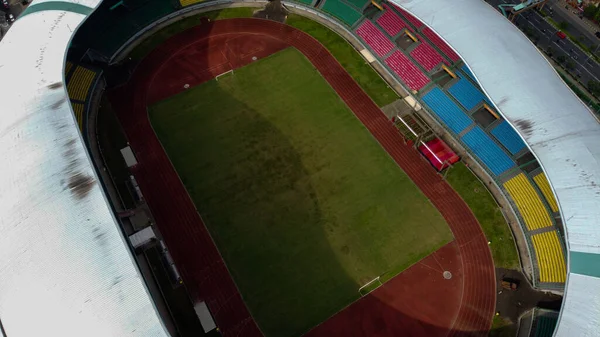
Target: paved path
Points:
(469, 306)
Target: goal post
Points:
(370, 286)
(223, 74)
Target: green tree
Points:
(594, 87)
(590, 11)
(570, 65)
(561, 59)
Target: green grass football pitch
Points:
(302, 202)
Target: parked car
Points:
(5, 4)
(598, 35)
(561, 35)
(10, 18)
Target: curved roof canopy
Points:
(557, 127)
(66, 268)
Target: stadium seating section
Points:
(440, 104)
(467, 71)
(360, 4)
(426, 56)
(441, 44)
(390, 22)
(407, 71)
(107, 30)
(342, 11)
(487, 151)
(373, 37)
(466, 94)
(508, 137)
(528, 202)
(545, 326)
(544, 186)
(78, 109)
(68, 67)
(413, 20)
(550, 257)
(79, 83)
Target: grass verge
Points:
(304, 205)
(487, 212)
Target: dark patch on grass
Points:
(302, 202)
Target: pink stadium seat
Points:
(426, 56)
(390, 22)
(407, 71)
(416, 22)
(374, 38)
(445, 48)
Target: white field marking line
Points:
(225, 73)
(370, 282)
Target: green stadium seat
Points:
(342, 11)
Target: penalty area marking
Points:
(223, 74)
(368, 284)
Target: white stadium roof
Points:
(66, 268)
(557, 127)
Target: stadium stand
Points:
(373, 37)
(415, 22)
(528, 202)
(342, 11)
(68, 67)
(542, 182)
(185, 3)
(508, 137)
(407, 71)
(466, 93)
(447, 110)
(467, 71)
(487, 151)
(80, 82)
(390, 22)
(426, 56)
(78, 109)
(107, 30)
(550, 258)
(441, 44)
(360, 4)
(545, 326)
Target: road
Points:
(543, 34)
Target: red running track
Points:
(418, 302)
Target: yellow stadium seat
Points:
(189, 2)
(80, 83)
(78, 109)
(528, 202)
(550, 257)
(542, 182)
(68, 67)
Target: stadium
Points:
(292, 168)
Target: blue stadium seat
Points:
(487, 151)
(466, 70)
(466, 93)
(508, 137)
(450, 113)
